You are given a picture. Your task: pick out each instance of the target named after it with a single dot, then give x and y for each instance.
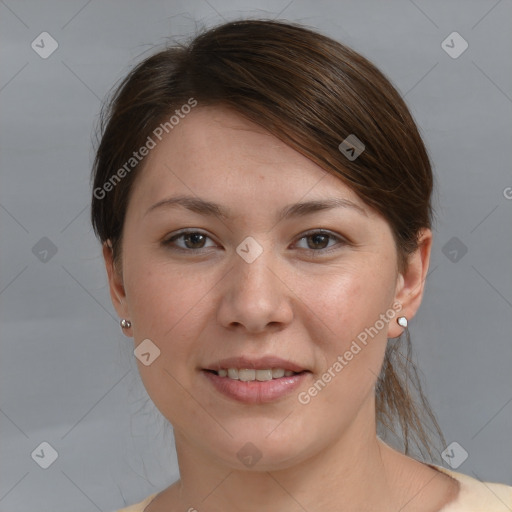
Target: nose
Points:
(256, 296)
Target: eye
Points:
(193, 241)
(317, 241)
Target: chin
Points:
(255, 450)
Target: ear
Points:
(115, 281)
(411, 282)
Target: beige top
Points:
(474, 496)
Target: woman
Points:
(263, 200)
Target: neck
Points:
(334, 478)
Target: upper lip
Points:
(259, 363)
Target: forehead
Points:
(216, 153)
(219, 135)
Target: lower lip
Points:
(256, 392)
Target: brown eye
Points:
(318, 241)
(194, 240)
(191, 240)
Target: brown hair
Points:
(311, 92)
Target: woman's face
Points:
(260, 282)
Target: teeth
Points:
(262, 375)
(233, 373)
(277, 373)
(248, 374)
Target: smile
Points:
(246, 388)
(251, 374)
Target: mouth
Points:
(255, 381)
(252, 374)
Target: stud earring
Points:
(402, 321)
(125, 324)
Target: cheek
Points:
(355, 311)
(351, 347)
(169, 308)
(348, 300)
(164, 301)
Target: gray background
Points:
(68, 375)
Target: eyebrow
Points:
(209, 208)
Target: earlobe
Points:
(116, 286)
(411, 282)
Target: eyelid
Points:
(186, 231)
(341, 240)
(323, 231)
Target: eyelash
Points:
(314, 252)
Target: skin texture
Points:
(296, 301)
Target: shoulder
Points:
(477, 496)
(139, 507)
(474, 496)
